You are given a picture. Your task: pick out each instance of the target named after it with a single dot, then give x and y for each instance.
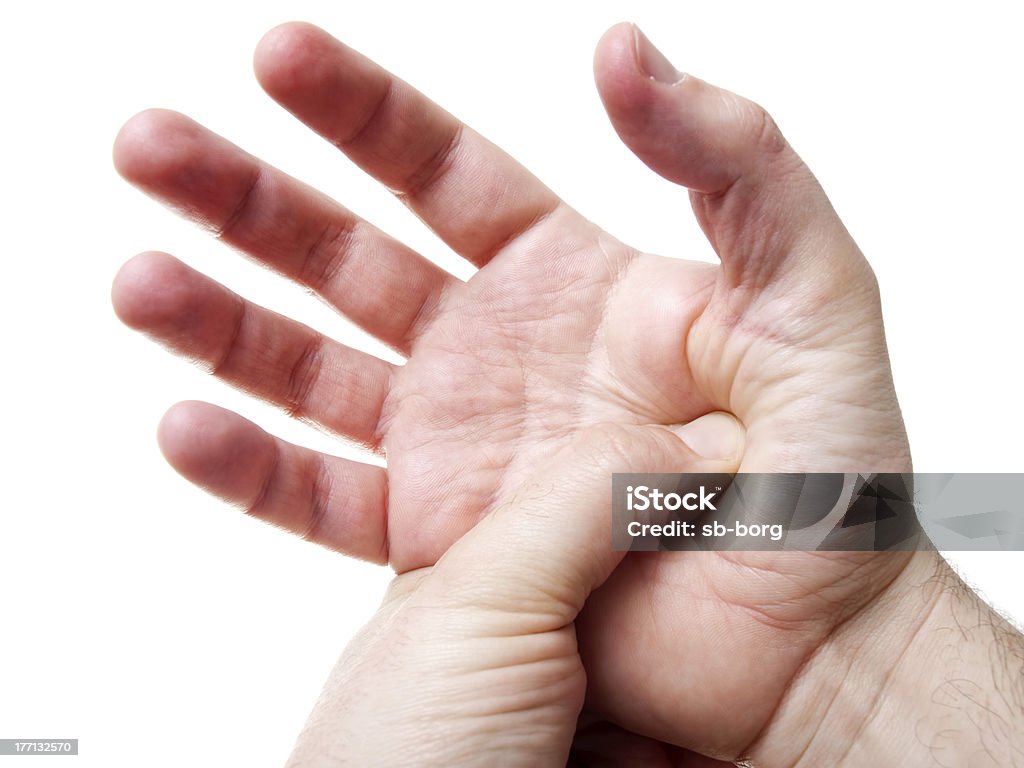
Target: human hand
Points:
(474, 661)
(561, 328)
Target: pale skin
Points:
(474, 661)
(564, 328)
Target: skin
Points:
(474, 661)
(562, 328)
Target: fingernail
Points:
(652, 62)
(716, 436)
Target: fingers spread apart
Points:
(380, 284)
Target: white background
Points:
(163, 628)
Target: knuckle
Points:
(853, 279)
(243, 207)
(303, 374)
(434, 166)
(767, 135)
(319, 501)
(261, 503)
(223, 361)
(327, 256)
(870, 288)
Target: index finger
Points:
(473, 195)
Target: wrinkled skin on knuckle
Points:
(768, 138)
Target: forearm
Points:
(975, 707)
(929, 675)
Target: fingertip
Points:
(717, 436)
(286, 57)
(753, 189)
(216, 449)
(620, 84)
(320, 80)
(190, 169)
(190, 432)
(660, 114)
(614, 49)
(142, 286)
(686, 130)
(145, 142)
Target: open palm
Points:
(563, 327)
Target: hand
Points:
(562, 327)
(474, 661)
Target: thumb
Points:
(540, 556)
(759, 205)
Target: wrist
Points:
(928, 675)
